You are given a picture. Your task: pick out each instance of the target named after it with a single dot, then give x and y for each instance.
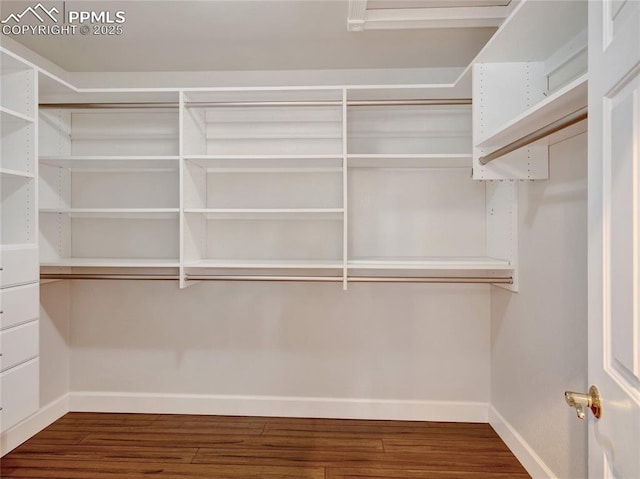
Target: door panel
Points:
(621, 119)
(614, 236)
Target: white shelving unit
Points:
(413, 208)
(109, 188)
(19, 302)
(263, 180)
(274, 182)
(532, 73)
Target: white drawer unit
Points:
(19, 253)
(18, 345)
(20, 265)
(19, 393)
(19, 305)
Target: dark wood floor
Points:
(131, 446)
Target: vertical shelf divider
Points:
(181, 167)
(345, 202)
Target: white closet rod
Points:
(336, 279)
(564, 122)
(136, 105)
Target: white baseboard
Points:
(33, 424)
(534, 465)
(279, 406)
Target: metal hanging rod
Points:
(354, 279)
(317, 279)
(165, 105)
(564, 122)
(409, 102)
(134, 277)
(109, 106)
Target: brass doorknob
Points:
(580, 401)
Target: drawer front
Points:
(19, 393)
(18, 344)
(19, 305)
(19, 266)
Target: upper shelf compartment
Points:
(119, 129)
(263, 122)
(530, 75)
(17, 93)
(407, 123)
(568, 99)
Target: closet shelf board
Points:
(568, 99)
(454, 160)
(431, 263)
(8, 173)
(122, 213)
(112, 262)
(267, 213)
(264, 264)
(11, 116)
(112, 162)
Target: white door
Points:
(614, 236)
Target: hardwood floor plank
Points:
(364, 473)
(106, 453)
(43, 469)
(109, 417)
(429, 444)
(357, 430)
(162, 439)
(51, 436)
(499, 462)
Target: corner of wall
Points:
(520, 448)
(34, 424)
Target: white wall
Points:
(403, 342)
(539, 336)
(54, 341)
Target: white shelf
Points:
(113, 263)
(128, 213)
(8, 115)
(409, 161)
(268, 213)
(7, 173)
(18, 246)
(267, 162)
(568, 99)
(264, 264)
(534, 30)
(300, 169)
(431, 263)
(112, 162)
(206, 158)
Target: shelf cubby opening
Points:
(67, 240)
(246, 124)
(262, 188)
(18, 147)
(265, 238)
(18, 215)
(18, 84)
(418, 219)
(400, 130)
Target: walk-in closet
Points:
(249, 217)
